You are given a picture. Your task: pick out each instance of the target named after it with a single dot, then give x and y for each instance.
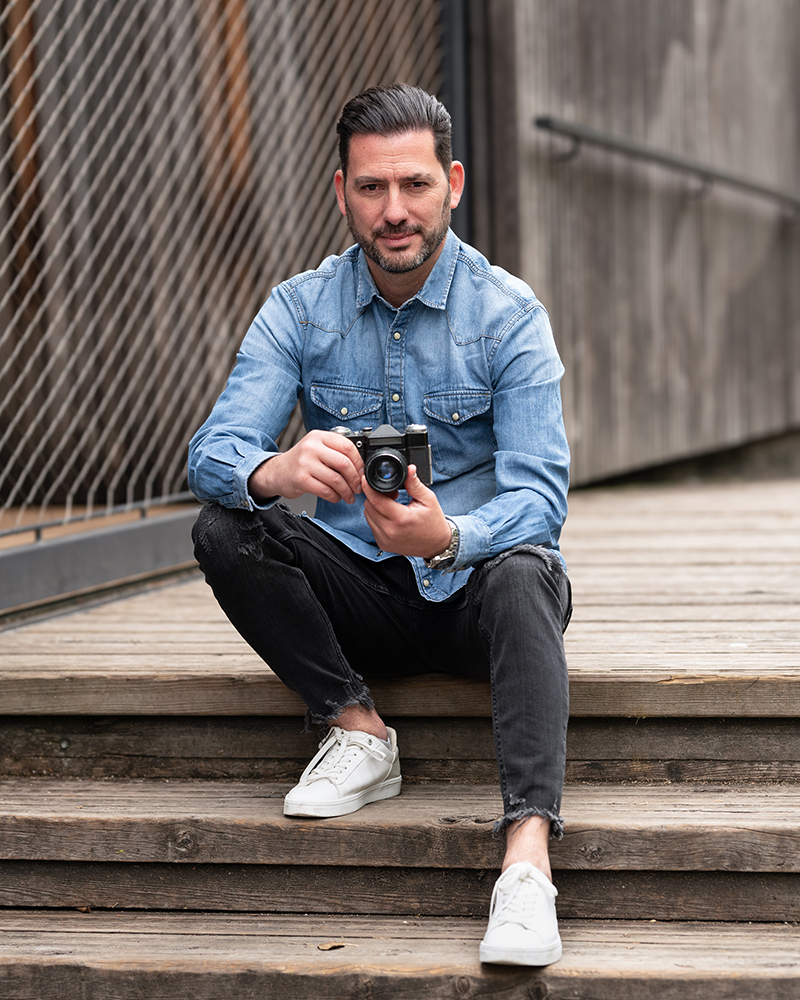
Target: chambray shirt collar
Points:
(435, 290)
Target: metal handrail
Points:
(710, 175)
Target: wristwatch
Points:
(444, 559)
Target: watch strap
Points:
(444, 559)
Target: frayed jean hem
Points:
(525, 812)
(354, 694)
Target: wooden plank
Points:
(325, 889)
(764, 497)
(432, 749)
(95, 649)
(685, 827)
(136, 956)
(621, 684)
(630, 648)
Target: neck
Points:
(399, 288)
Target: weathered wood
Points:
(684, 827)
(671, 635)
(656, 331)
(442, 749)
(618, 684)
(255, 888)
(137, 956)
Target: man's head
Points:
(398, 183)
(392, 110)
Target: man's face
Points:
(397, 199)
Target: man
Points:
(410, 326)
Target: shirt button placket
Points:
(395, 373)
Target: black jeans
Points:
(322, 616)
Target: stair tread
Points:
(674, 616)
(659, 827)
(430, 956)
(655, 683)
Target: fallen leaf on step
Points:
(330, 945)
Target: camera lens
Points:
(386, 470)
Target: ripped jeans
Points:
(322, 617)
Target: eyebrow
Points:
(368, 179)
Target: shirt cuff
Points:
(241, 476)
(474, 541)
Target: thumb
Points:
(414, 485)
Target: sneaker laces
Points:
(517, 895)
(345, 752)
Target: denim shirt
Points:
(471, 355)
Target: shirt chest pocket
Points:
(460, 429)
(340, 405)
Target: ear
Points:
(338, 183)
(456, 182)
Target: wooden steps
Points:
(444, 749)
(83, 829)
(662, 827)
(145, 751)
(207, 957)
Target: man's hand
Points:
(322, 463)
(416, 529)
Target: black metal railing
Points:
(709, 175)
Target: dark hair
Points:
(391, 110)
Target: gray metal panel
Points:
(32, 574)
(41, 572)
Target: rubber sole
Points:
(516, 956)
(349, 804)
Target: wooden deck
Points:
(687, 602)
(140, 956)
(145, 752)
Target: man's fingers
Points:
(326, 465)
(343, 445)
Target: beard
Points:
(401, 261)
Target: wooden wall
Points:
(677, 311)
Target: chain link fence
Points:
(163, 163)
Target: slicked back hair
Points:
(392, 110)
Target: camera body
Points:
(387, 454)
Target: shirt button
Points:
(396, 335)
(455, 416)
(395, 397)
(426, 583)
(344, 411)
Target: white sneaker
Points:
(351, 769)
(523, 929)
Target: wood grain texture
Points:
(274, 748)
(137, 956)
(676, 316)
(702, 622)
(662, 827)
(324, 889)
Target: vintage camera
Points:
(387, 454)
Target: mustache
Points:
(395, 231)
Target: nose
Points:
(394, 209)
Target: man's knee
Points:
(214, 527)
(225, 535)
(526, 575)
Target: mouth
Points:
(396, 241)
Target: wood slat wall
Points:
(678, 316)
